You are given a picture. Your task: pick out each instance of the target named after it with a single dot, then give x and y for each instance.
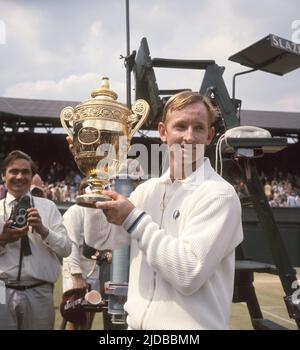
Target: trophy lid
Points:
(102, 105)
(104, 91)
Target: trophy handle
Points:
(140, 114)
(67, 115)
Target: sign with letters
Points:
(284, 44)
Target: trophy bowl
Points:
(101, 129)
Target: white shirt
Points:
(73, 218)
(181, 266)
(44, 262)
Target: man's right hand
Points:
(71, 144)
(11, 234)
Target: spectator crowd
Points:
(282, 189)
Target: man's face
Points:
(18, 176)
(188, 126)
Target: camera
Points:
(19, 212)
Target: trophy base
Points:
(89, 200)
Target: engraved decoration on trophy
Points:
(93, 125)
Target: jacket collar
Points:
(204, 171)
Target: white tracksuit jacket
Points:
(182, 252)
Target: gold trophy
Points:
(101, 129)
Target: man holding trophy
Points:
(182, 228)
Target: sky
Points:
(60, 49)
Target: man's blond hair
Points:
(185, 98)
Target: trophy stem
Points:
(89, 199)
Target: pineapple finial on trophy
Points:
(104, 90)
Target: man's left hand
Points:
(35, 221)
(117, 210)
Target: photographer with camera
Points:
(33, 239)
